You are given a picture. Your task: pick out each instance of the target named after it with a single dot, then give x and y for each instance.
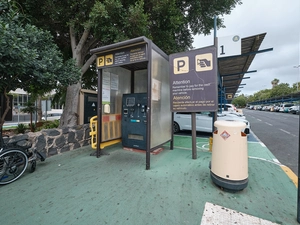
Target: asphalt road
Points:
(279, 132)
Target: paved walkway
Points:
(76, 188)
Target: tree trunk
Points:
(70, 112)
(6, 110)
(31, 128)
(39, 109)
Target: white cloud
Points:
(281, 21)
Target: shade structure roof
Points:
(233, 68)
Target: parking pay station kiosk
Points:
(133, 95)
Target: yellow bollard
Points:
(210, 143)
(93, 132)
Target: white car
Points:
(227, 107)
(285, 107)
(294, 109)
(234, 114)
(182, 121)
(52, 115)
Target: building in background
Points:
(19, 101)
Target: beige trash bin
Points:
(229, 162)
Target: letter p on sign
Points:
(181, 65)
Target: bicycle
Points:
(15, 158)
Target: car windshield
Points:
(288, 105)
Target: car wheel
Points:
(176, 127)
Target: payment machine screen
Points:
(130, 101)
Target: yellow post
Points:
(93, 132)
(210, 143)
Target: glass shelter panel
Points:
(116, 81)
(161, 120)
(140, 81)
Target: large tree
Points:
(240, 101)
(280, 89)
(29, 59)
(79, 26)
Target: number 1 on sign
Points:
(222, 50)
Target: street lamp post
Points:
(297, 67)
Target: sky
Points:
(281, 21)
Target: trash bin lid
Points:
(229, 124)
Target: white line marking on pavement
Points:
(258, 119)
(217, 214)
(274, 161)
(285, 131)
(269, 124)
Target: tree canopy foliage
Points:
(280, 89)
(29, 59)
(169, 23)
(78, 26)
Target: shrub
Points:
(33, 127)
(21, 128)
(50, 124)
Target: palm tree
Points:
(30, 108)
(274, 82)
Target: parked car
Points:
(257, 107)
(234, 114)
(52, 115)
(285, 107)
(294, 109)
(266, 108)
(276, 108)
(227, 107)
(182, 121)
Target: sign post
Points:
(193, 83)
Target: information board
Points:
(193, 80)
(123, 56)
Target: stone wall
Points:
(55, 141)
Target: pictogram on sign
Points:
(225, 135)
(109, 59)
(204, 62)
(181, 65)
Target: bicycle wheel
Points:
(13, 163)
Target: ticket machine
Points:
(133, 99)
(134, 120)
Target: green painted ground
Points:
(76, 188)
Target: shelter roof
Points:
(293, 97)
(233, 68)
